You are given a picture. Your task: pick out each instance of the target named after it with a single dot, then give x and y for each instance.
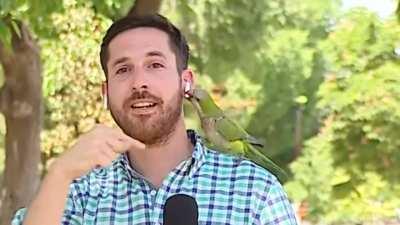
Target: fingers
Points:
(97, 148)
(109, 151)
(123, 142)
(105, 157)
(101, 131)
(117, 146)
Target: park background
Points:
(318, 80)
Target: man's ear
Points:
(104, 94)
(187, 81)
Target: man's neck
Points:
(155, 162)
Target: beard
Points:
(154, 129)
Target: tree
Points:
(21, 106)
(355, 155)
(20, 103)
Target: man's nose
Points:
(140, 80)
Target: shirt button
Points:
(153, 192)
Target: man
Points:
(124, 177)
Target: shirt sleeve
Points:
(276, 208)
(73, 210)
(73, 213)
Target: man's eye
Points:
(156, 65)
(122, 70)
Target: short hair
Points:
(177, 41)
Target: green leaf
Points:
(16, 28)
(301, 99)
(5, 7)
(5, 35)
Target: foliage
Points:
(356, 153)
(111, 9)
(34, 12)
(284, 83)
(363, 99)
(306, 186)
(38, 14)
(72, 77)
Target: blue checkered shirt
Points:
(227, 189)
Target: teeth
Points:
(143, 104)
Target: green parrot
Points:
(227, 136)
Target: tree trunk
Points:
(21, 104)
(143, 7)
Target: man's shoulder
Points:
(240, 167)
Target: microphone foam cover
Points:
(180, 209)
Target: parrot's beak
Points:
(189, 94)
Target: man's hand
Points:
(97, 148)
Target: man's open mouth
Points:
(143, 105)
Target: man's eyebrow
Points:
(151, 53)
(156, 53)
(119, 60)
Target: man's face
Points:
(144, 87)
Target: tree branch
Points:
(2, 99)
(143, 7)
(22, 39)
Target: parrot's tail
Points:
(263, 161)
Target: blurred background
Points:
(318, 80)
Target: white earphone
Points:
(105, 102)
(187, 89)
(187, 86)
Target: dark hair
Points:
(177, 41)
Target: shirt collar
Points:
(198, 155)
(185, 168)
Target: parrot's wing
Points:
(256, 156)
(255, 141)
(231, 131)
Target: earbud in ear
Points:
(187, 86)
(105, 102)
(187, 89)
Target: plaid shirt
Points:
(227, 189)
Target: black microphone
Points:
(180, 209)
